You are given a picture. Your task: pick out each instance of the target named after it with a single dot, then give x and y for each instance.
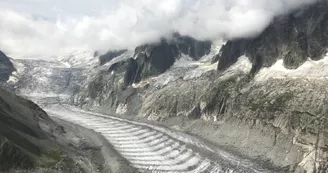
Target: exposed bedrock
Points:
(6, 67)
(281, 121)
(103, 59)
(154, 59)
(293, 38)
(32, 142)
(25, 134)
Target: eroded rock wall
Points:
(6, 67)
(294, 38)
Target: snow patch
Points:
(121, 109)
(45, 95)
(216, 46)
(187, 69)
(310, 69)
(13, 78)
(20, 68)
(184, 68)
(128, 54)
(242, 66)
(78, 59)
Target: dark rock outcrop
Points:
(293, 38)
(131, 71)
(148, 61)
(129, 67)
(155, 59)
(32, 142)
(194, 48)
(6, 67)
(24, 144)
(103, 59)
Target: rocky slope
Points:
(30, 141)
(6, 67)
(26, 135)
(293, 38)
(265, 99)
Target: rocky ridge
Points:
(294, 38)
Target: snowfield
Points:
(310, 69)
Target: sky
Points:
(44, 28)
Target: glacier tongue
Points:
(43, 81)
(79, 59)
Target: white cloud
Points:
(121, 24)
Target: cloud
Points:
(129, 23)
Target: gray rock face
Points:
(129, 67)
(155, 59)
(23, 143)
(194, 48)
(103, 59)
(113, 86)
(293, 38)
(6, 67)
(288, 106)
(32, 142)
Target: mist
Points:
(129, 23)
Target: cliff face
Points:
(111, 85)
(293, 38)
(155, 59)
(6, 67)
(103, 59)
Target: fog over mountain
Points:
(61, 27)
